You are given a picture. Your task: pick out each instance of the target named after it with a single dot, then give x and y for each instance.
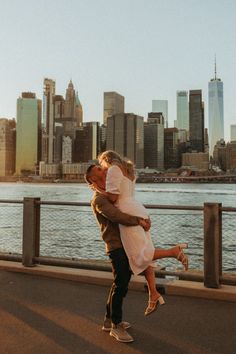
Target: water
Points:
(165, 193)
(73, 233)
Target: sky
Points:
(143, 49)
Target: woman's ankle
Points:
(154, 295)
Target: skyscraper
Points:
(182, 110)
(172, 156)
(154, 141)
(27, 132)
(125, 135)
(73, 113)
(48, 122)
(215, 111)
(161, 106)
(196, 120)
(233, 132)
(78, 111)
(7, 146)
(87, 142)
(61, 117)
(113, 103)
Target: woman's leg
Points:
(151, 282)
(174, 252)
(154, 296)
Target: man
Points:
(109, 217)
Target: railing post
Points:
(31, 231)
(212, 244)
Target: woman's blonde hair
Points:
(113, 158)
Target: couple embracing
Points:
(125, 224)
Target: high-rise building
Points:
(215, 111)
(154, 141)
(231, 156)
(66, 149)
(125, 135)
(161, 106)
(48, 122)
(172, 154)
(225, 155)
(87, 142)
(78, 111)
(196, 121)
(219, 154)
(27, 133)
(7, 146)
(233, 132)
(61, 117)
(59, 106)
(103, 137)
(182, 107)
(73, 113)
(113, 103)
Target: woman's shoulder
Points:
(114, 169)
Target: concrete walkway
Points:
(47, 315)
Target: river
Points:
(168, 228)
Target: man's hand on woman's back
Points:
(145, 223)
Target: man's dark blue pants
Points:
(122, 274)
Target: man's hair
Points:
(88, 174)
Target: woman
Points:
(138, 245)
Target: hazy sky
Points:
(143, 49)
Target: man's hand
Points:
(145, 223)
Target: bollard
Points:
(31, 231)
(212, 244)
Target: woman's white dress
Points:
(136, 242)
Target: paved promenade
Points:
(47, 315)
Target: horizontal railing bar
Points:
(10, 257)
(228, 209)
(63, 203)
(74, 263)
(148, 206)
(173, 207)
(8, 201)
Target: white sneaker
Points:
(107, 325)
(120, 334)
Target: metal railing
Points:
(66, 233)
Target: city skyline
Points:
(154, 50)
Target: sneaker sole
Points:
(108, 329)
(121, 340)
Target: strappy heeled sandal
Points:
(152, 305)
(182, 256)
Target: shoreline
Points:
(170, 180)
(155, 179)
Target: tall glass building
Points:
(161, 106)
(182, 109)
(215, 111)
(27, 132)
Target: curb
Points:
(171, 287)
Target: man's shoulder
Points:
(98, 198)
